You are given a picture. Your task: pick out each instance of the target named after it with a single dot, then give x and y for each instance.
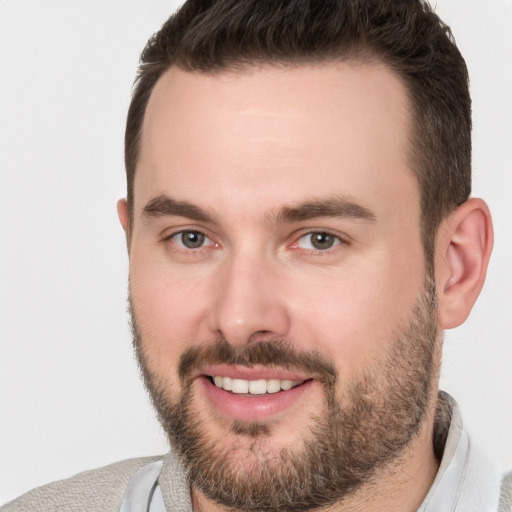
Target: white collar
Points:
(465, 481)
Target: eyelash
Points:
(182, 248)
(337, 242)
(171, 239)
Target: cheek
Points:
(170, 309)
(353, 315)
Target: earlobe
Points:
(124, 218)
(122, 212)
(464, 247)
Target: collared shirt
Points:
(465, 481)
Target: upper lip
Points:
(252, 373)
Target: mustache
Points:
(271, 353)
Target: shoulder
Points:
(506, 493)
(99, 489)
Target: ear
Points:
(124, 218)
(464, 245)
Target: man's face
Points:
(276, 242)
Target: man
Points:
(300, 233)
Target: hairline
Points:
(359, 54)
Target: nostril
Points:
(261, 336)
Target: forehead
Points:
(278, 134)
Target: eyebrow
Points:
(337, 206)
(165, 206)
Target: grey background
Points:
(70, 396)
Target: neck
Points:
(401, 486)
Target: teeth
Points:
(254, 387)
(257, 387)
(227, 384)
(286, 384)
(239, 386)
(273, 385)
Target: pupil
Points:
(192, 239)
(322, 240)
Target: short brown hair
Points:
(214, 35)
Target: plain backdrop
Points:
(70, 394)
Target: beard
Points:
(366, 423)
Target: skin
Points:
(244, 146)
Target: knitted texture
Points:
(506, 493)
(91, 491)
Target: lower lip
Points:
(249, 408)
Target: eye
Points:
(190, 239)
(318, 241)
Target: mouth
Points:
(253, 395)
(255, 387)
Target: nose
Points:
(250, 303)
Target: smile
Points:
(256, 393)
(254, 387)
